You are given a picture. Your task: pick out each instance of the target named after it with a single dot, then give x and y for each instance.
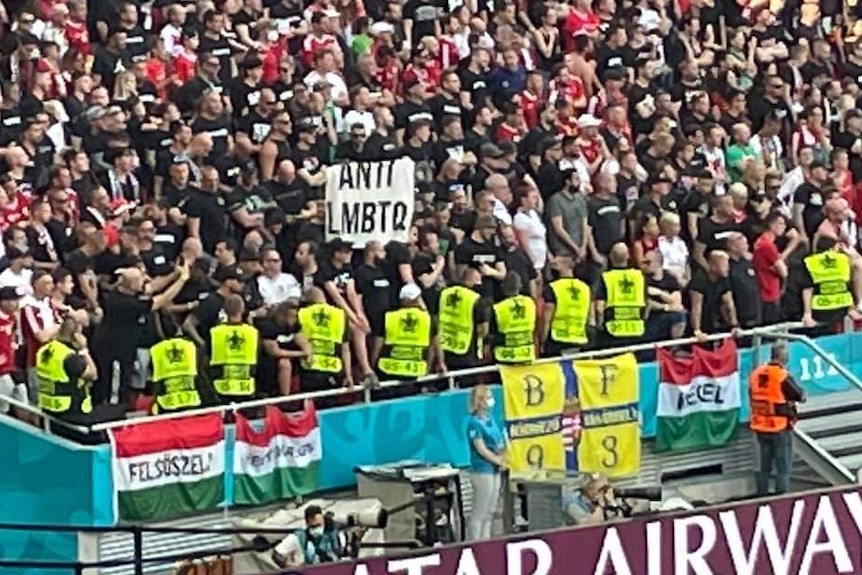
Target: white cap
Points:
(410, 292)
(379, 28)
(588, 121)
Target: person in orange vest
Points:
(774, 395)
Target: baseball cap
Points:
(661, 178)
(340, 245)
(409, 292)
(491, 150)
(225, 273)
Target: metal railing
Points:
(775, 331)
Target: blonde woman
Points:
(487, 446)
(125, 87)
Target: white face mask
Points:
(489, 401)
(316, 531)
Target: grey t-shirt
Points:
(573, 210)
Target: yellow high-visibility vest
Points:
(175, 370)
(569, 323)
(516, 323)
(456, 319)
(324, 326)
(234, 350)
(626, 302)
(830, 273)
(405, 343)
(58, 395)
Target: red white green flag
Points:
(167, 469)
(280, 461)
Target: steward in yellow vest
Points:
(464, 318)
(567, 310)
(59, 394)
(175, 373)
(233, 348)
(325, 326)
(515, 323)
(408, 346)
(827, 297)
(621, 304)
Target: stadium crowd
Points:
(587, 174)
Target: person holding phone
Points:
(429, 267)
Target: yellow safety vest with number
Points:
(516, 323)
(830, 273)
(234, 351)
(569, 324)
(456, 319)
(406, 341)
(175, 370)
(57, 393)
(324, 326)
(626, 302)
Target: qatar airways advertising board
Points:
(810, 534)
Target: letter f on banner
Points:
(515, 557)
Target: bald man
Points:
(620, 303)
(134, 297)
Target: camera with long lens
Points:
(648, 493)
(376, 519)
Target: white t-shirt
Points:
(9, 278)
(338, 87)
(537, 244)
(364, 117)
(674, 254)
(501, 212)
(278, 289)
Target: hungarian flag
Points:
(279, 462)
(698, 398)
(166, 469)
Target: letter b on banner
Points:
(533, 404)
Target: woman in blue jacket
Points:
(487, 447)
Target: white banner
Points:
(370, 201)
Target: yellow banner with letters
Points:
(610, 441)
(571, 417)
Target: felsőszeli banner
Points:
(813, 534)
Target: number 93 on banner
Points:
(612, 451)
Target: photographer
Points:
(317, 543)
(595, 503)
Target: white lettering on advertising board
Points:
(812, 534)
(370, 201)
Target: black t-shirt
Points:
(519, 262)
(667, 283)
(713, 291)
(124, 316)
(811, 198)
(219, 129)
(746, 295)
(410, 111)
(424, 14)
(714, 234)
(208, 314)
(397, 254)
(473, 254)
(255, 126)
(157, 261)
(211, 208)
(243, 97)
(604, 216)
(379, 147)
(375, 289)
(441, 106)
(219, 48)
(476, 84)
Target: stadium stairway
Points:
(828, 435)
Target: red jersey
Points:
(17, 210)
(77, 36)
(590, 149)
(8, 327)
(35, 318)
(449, 56)
(156, 72)
(507, 133)
(763, 258)
(311, 45)
(577, 23)
(530, 106)
(183, 66)
(272, 61)
(571, 90)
